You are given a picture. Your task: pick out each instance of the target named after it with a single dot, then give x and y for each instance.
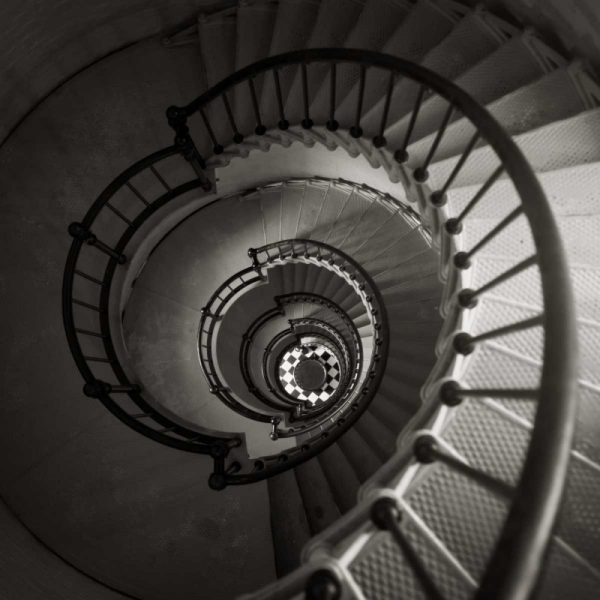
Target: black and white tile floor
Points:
(313, 351)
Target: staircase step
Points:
(319, 503)
(293, 26)
(217, 48)
(270, 204)
(333, 205)
(468, 43)
(378, 436)
(377, 22)
(567, 143)
(255, 22)
(520, 111)
(462, 514)
(341, 477)
(508, 68)
(362, 458)
(291, 205)
(289, 525)
(312, 204)
(356, 209)
(335, 19)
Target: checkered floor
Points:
(293, 357)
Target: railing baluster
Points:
(90, 333)
(283, 122)
(451, 394)
(401, 155)
(454, 225)
(438, 198)
(137, 193)
(118, 213)
(428, 449)
(386, 515)
(160, 178)
(307, 122)
(97, 388)
(81, 233)
(421, 174)
(332, 124)
(462, 260)
(356, 130)
(467, 296)
(98, 359)
(379, 140)
(86, 305)
(260, 128)
(464, 343)
(88, 277)
(238, 138)
(217, 148)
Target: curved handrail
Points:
(518, 554)
(347, 268)
(146, 419)
(516, 560)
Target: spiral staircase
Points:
(332, 322)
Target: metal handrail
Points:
(516, 560)
(344, 412)
(144, 417)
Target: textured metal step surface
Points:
(565, 576)
(567, 143)
(468, 43)
(522, 110)
(463, 515)
(383, 573)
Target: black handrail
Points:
(515, 563)
(233, 286)
(516, 560)
(147, 420)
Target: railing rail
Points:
(537, 498)
(515, 563)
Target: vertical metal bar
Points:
(160, 178)
(217, 148)
(260, 128)
(401, 155)
(356, 130)
(307, 122)
(386, 515)
(421, 173)
(283, 122)
(136, 192)
(238, 138)
(379, 140)
(332, 124)
(438, 197)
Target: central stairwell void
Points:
(345, 341)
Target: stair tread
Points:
(319, 503)
(289, 526)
